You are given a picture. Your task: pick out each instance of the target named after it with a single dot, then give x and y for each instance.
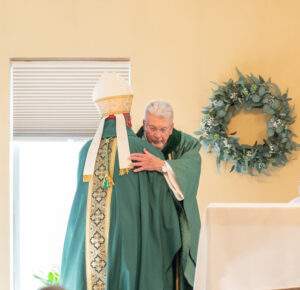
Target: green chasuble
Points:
(124, 230)
(182, 154)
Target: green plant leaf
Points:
(270, 132)
(261, 91)
(256, 98)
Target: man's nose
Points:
(157, 134)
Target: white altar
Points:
(249, 247)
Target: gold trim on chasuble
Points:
(98, 215)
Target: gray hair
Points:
(160, 109)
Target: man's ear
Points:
(144, 123)
(172, 127)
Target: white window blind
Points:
(54, 98)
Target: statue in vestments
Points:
(124, 230)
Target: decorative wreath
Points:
(248, 93)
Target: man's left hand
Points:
(146, 161)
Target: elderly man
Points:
(181, 171)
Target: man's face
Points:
(157, 130)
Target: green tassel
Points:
(105, 184)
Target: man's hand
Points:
(146, 161)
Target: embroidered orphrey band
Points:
(98, 215)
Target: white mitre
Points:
(113, 96)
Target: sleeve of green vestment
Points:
(73, 258)
(186, 166)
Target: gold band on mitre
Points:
(114, 105)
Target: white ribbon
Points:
(92, 153)
(122, 144)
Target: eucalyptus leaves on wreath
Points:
(248, 93)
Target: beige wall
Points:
(176, 49)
